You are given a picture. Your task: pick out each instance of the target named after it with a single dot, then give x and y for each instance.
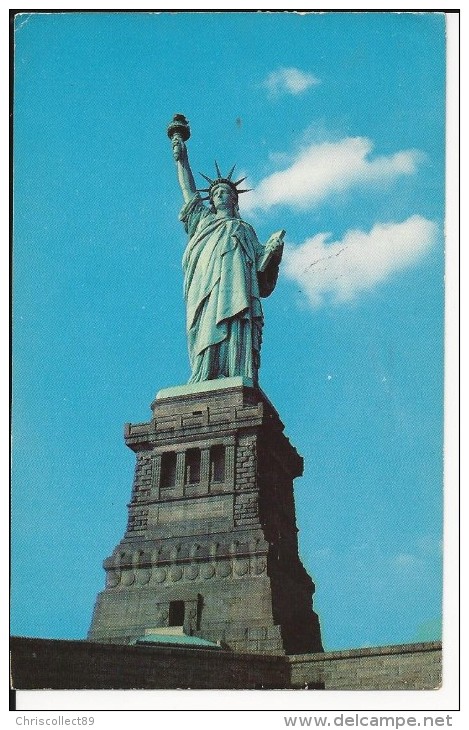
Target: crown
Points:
(220, 179)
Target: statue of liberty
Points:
(226, 272)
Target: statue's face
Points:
(223, 198)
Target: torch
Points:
(180, 127)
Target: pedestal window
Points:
(168, 470)
(192, 466)
(217, 463)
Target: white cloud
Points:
(289, 81)
(321, 170)
(405, 560)
(343, 269)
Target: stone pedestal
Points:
(211, 541)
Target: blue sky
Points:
(337, 119)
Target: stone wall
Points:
(405, 666)
(58, 664)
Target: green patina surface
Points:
(226, 272)
(177, 640)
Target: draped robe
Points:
(222, 290)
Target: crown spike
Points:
(239, 181)
(248, 190)
(203, 190)
(218, 169)
(228, 177)
(206, 178)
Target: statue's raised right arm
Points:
(185, 176)
(179, 132)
